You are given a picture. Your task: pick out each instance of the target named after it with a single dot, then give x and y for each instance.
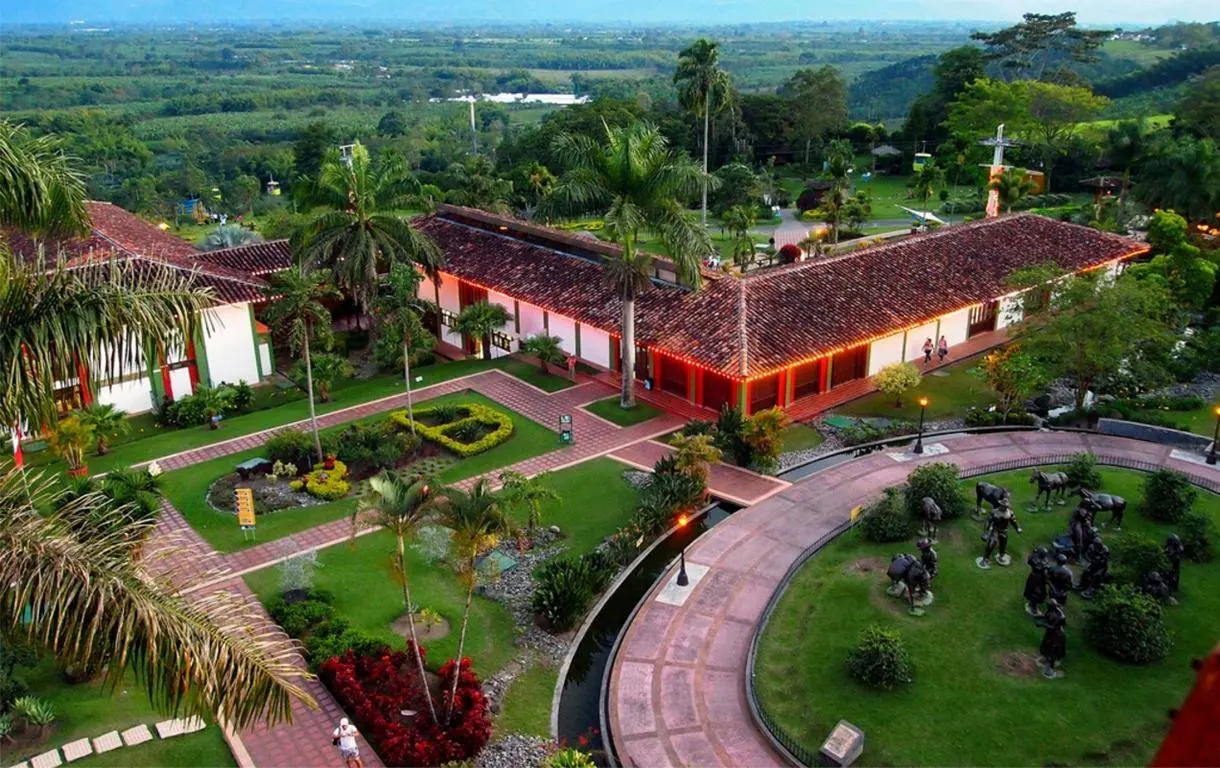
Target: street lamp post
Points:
(683, 579)
(1211, 455)
(923, 407)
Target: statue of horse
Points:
(1050, 483)
(993, 495)
(932, 515)
(1104, 502)
(907, 574)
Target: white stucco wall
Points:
(885, 352)
(565, 329)
(264, 352)
(595, 346)
(1010, 311)
(531, 320)
(229, 346)
(427, 291)
(133, 396)
(954, 327)
(450, 300)
(916, 338)
(180, 383)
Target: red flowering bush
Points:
(375, 689)
(790, 253)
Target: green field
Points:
(611, 410)
(950, 391)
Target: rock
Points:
(555, 530)
(514, 751)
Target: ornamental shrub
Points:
(886, 519)
(1126, 624)
(938, 481)
(563, 588)
(568, 758)
(896, 379)
(291, 446)
(880, 659)
(446, 424)
(372, 446)
(1134, 556)
(730, 426)
(327, 484)
(1082, 471)
(763, 438)
(977, 417)
(1168, 496)
(1198, 534)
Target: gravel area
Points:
(637, 479)
(1206, 385)
(515, 588)
(515, 751)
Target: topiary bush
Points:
(1126, 624)
(1082, 471)
(886, 519)
(1168, 496)
(939, 482)
(880, 659)
(1133, 556)
(1198, 535)
(291, 447)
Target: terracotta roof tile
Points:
(252, 259)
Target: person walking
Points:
(942, 348)
(344, 737)
(927, 351)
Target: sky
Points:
(1112, 13)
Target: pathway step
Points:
(75, 750)
(137, 734)
(107, 741)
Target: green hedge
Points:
(469, 415)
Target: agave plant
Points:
(36, 712)
(228, 236)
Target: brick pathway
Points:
(677, 689)
(740, 486)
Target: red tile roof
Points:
(252, 259)
(753, 326)
(117, 233)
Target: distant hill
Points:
(887, 93)
(1166, 73)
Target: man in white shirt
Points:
(345, 738)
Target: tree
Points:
(857, 209)
(474, 183)
(1025, 50)
(228, 236)
(316, 140)
(401, 312)
(362, 231)
(478, 321)
(392, 123)
(42, 192)
(739, 220)
(89, 603)
(1013, 375)
(1199, 110)
(1092, 327)
(703, 87)
(324, 369)
(1190, 277)
(636, 182)
(923, 184)
(526, 494)
(954, 70)
(896, 379)
(1013, 185)
(477, 521)
(1056, 111)
(1183, 174)
(694, 455)
(246, 190)
(1125, 144)
(544, 347)
(818, 103)
(297, 313)
(401, 506)
(106, 421)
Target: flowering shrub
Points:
(323, 483)
(470, 416)
(374, 689)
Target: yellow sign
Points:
(245, 507)
(855, 512)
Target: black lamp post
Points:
(683, 579)
(923, 406)
(1211, 455)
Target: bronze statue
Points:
(932, 516)
(1098, 571)
(1049, 483)
(908, 575)
(1175, 551)
(992, 494)
(1104, 502)
(1053, 647)
(1155, 587)
(996, 537)
(928, 558)
(1060, 579)
(1035, 583)
(1080, 530)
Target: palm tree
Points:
(635, 181)
(1125, 145)
(327, 368)
(474, 183)
(88, 602)
(361, 232)
(1012, 185)
(54, 318)
(478, 320)
(401, 311)
(702, 87)
(526, 493)
(1182, 173)
(924, 183)
(739, 220)
(296, 311)
(41, 191)
(401, 506)
(107, 421)
(546, 348)
(228, 236)
(477, 521)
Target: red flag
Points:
(17, 457)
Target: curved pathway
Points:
(677, 691)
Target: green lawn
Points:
(187, 488)
(91, 709)
(594, 502)
(531, 374)
(526, 707)
(963, 709)
(1201, 421)
(949, 396)
(800, 437)
(610, 410)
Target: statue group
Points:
(911, 576)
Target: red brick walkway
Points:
(677, 688)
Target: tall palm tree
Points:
(635, 181)
(88, 602)
(526, 494)
(41, 191)
(739, 220)
(477, 521)
(104, 315)
(400, 506)
(401, 311)
(362, 231)
(1012, 185)
(703, 87)
(474, 183)
(923, 183)
(296, 311)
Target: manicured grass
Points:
(610, 410)
(949, 395)
(529, 439)
(91, 709)
(526, 707)
(800, 437)
(1201, 421)
(531, 374)
(594, 502)
(1102, 712)
(368, 595)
